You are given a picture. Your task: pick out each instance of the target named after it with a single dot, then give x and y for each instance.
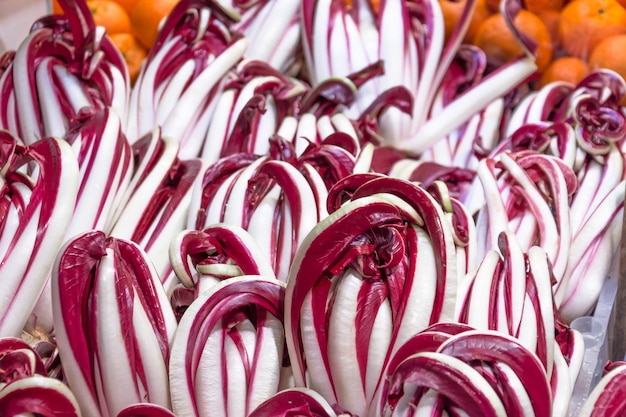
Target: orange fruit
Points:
(56, 7)
(493, 5)
(128, 5)
(495, 38)
(536, 6)
(610, 54)
(551, 19)
(110, 15)
(452, 11)
(133, 52)
(585, 23)
(566, 68)
(146, 18)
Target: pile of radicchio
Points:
(312, 208)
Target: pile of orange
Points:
(573, 37)
(132, 25)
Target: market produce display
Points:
(311, 208)
(568, 34)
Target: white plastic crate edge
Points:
(594, 329)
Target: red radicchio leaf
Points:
(46, 397)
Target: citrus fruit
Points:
(374, 4)
(128, 5)
(452, 11)
(551, 19)
(498, 42)
(585, 23)
(610, 54)
(493, 5)
(110, 15)
(56, 7)
(146, 18)
(133, 52)
(536, 6)
(566, 68)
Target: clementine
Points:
(110, 15)
(493, 5)
(567, 68)
(585, 23)
(56, 7)
(499, 43)
(610, 54)
(133, 52)
(551, 19)
(452, 11)
(146, 19)
(536, 6)
(128, 5)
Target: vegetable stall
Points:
(310, 208)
